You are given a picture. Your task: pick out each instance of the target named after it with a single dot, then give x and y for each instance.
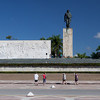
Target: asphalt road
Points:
(52, 92)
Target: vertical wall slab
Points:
(25, 49)
(67, 42)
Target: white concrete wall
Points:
(25, 49)
(42, 69)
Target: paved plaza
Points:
(18, 90)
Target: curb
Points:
(49, 82)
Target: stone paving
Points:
(31, 98)
(87, 98)
(47, 98)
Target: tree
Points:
(97, 54)
(98, 48)
(9, 37)
(42, 38)
(56, 45)
(94, 55)
(81, 55)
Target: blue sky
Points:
(33, 19)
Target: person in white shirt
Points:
(64, 79)
(36, 76)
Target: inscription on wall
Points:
(18, 49)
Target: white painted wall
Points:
(47, 69)
(25, 49)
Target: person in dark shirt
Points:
(76, 79)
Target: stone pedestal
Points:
(67, 42)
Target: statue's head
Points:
(67, 11)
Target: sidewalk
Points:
(19, 84)
(48, 82)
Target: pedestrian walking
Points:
(36, 76)
(76, 79)
(44, 78)
(64, 78)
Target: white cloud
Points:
(97, 36)
(76, 55)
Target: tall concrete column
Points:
(67, 42)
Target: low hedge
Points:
(49, 64)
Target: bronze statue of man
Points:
(67, 18)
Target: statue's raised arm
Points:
(67, 18)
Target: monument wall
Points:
(25, 49)
(49, 69)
